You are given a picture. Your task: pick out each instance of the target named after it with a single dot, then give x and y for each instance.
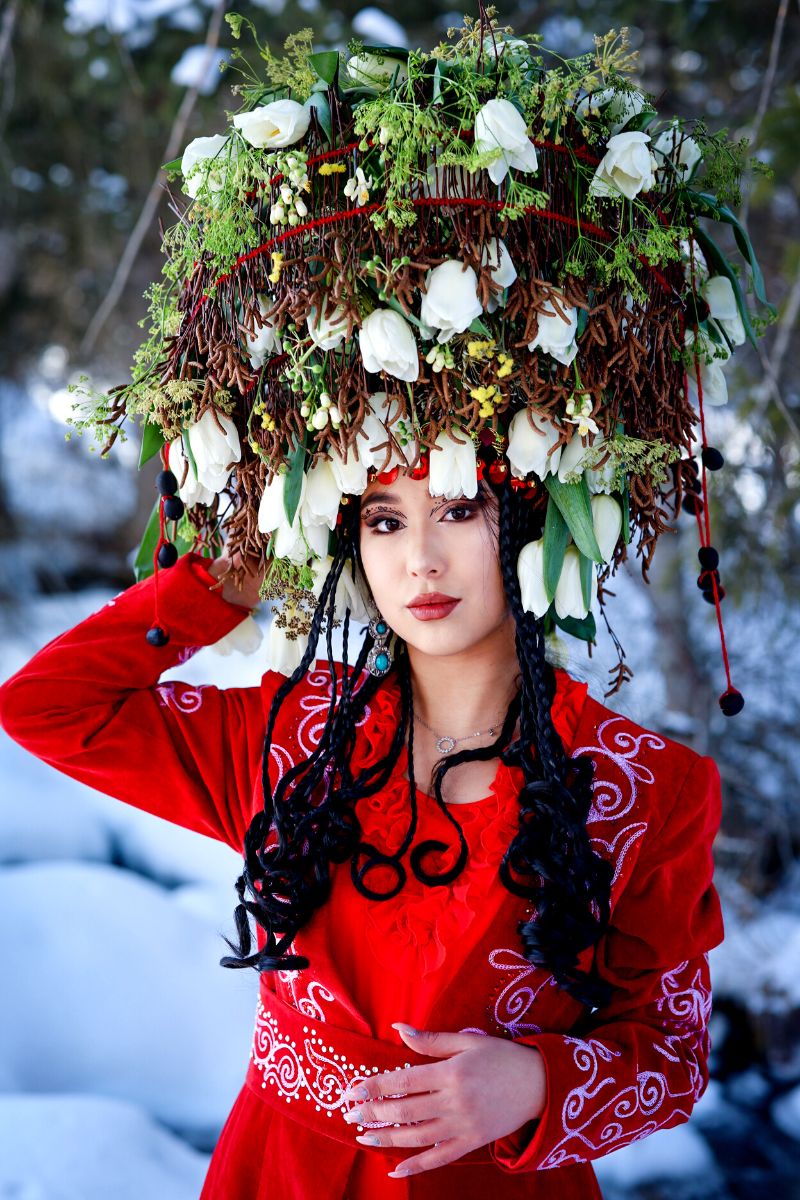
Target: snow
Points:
(678, 1154)
(117, 991)
(44, 1142)
(197, 68)
(786, 1113)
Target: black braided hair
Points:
(550, 860)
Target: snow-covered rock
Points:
(117, 990)
(89, 1148)
(680, 1153)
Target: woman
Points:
(549, 943)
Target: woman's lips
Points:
(432, 612)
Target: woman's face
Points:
(413, 544)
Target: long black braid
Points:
(550, 860)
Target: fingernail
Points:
(353, 1117)
(356, 1093)
(370, 1138)
(407, 1029)
(396, 1174)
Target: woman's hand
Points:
(484, 1088)
(248, 597)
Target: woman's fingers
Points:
(404, 1110)
(428, 1133)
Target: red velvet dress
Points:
(444, 958)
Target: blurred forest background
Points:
(95, 95)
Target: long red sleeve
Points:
(89, 703)
(641, 1062)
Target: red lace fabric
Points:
(417, 938)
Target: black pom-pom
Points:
(693, 484)
(167, 555)
(709, 557)
(692, 503)
(173, 508)
(166, 483)
(712, 458)
(697, 309)
(157, 636)
(704, 580)
(731, 702)
(708, 594)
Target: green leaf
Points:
(626, 515)
(294, 481)
(478, 326)
(574, 502)
(187, 449)
(586, 567)
(152, 441)
(715, 257)
(174, 165)
(320, 103)
(556, 537)
(326, 64)
(723, 213)
(586, 628)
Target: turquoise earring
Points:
(379, 659)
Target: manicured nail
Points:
(359, 1092)
(407, 1029)
(370, 1138)
(396, 1174)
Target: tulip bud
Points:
(530, 572)
(607, 520)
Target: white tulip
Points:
(327, 332)
(450, 301)
(271, 509)
(569, 595)
(530, 572)
(244, 639)
(192, 491)
(719, 295)
(298, 542)
(215, 449)
(387, 343)
(285, 654)
(368, 71)
(495, 255)
(322, 496)
(570, 467)
(528, 449)
(607, 521)
(280, 123)
(714, 383)
(555, 334)
(617, 107)
(453, 470)
(682, 152)
(266, 341)
(348, 593)
(499, 125)
(627, 167)
(214, 153)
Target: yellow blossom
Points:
(477, 348)
(330, 168)
(506, 366)
(277, 263)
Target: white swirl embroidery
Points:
(187, 701)
(314, 705)
(316, 1073)
(607, 795)
(687, 1049)
(518, 996)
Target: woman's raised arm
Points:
(89, 703)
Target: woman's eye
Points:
(466, 509)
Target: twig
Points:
(772, 364)
(766, 89)
(151, 203)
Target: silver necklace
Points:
(446, 744)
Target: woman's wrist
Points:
(246, 597)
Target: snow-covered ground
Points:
(125, 1033)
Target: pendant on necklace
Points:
(445, 744)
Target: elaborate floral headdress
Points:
(484, 260)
